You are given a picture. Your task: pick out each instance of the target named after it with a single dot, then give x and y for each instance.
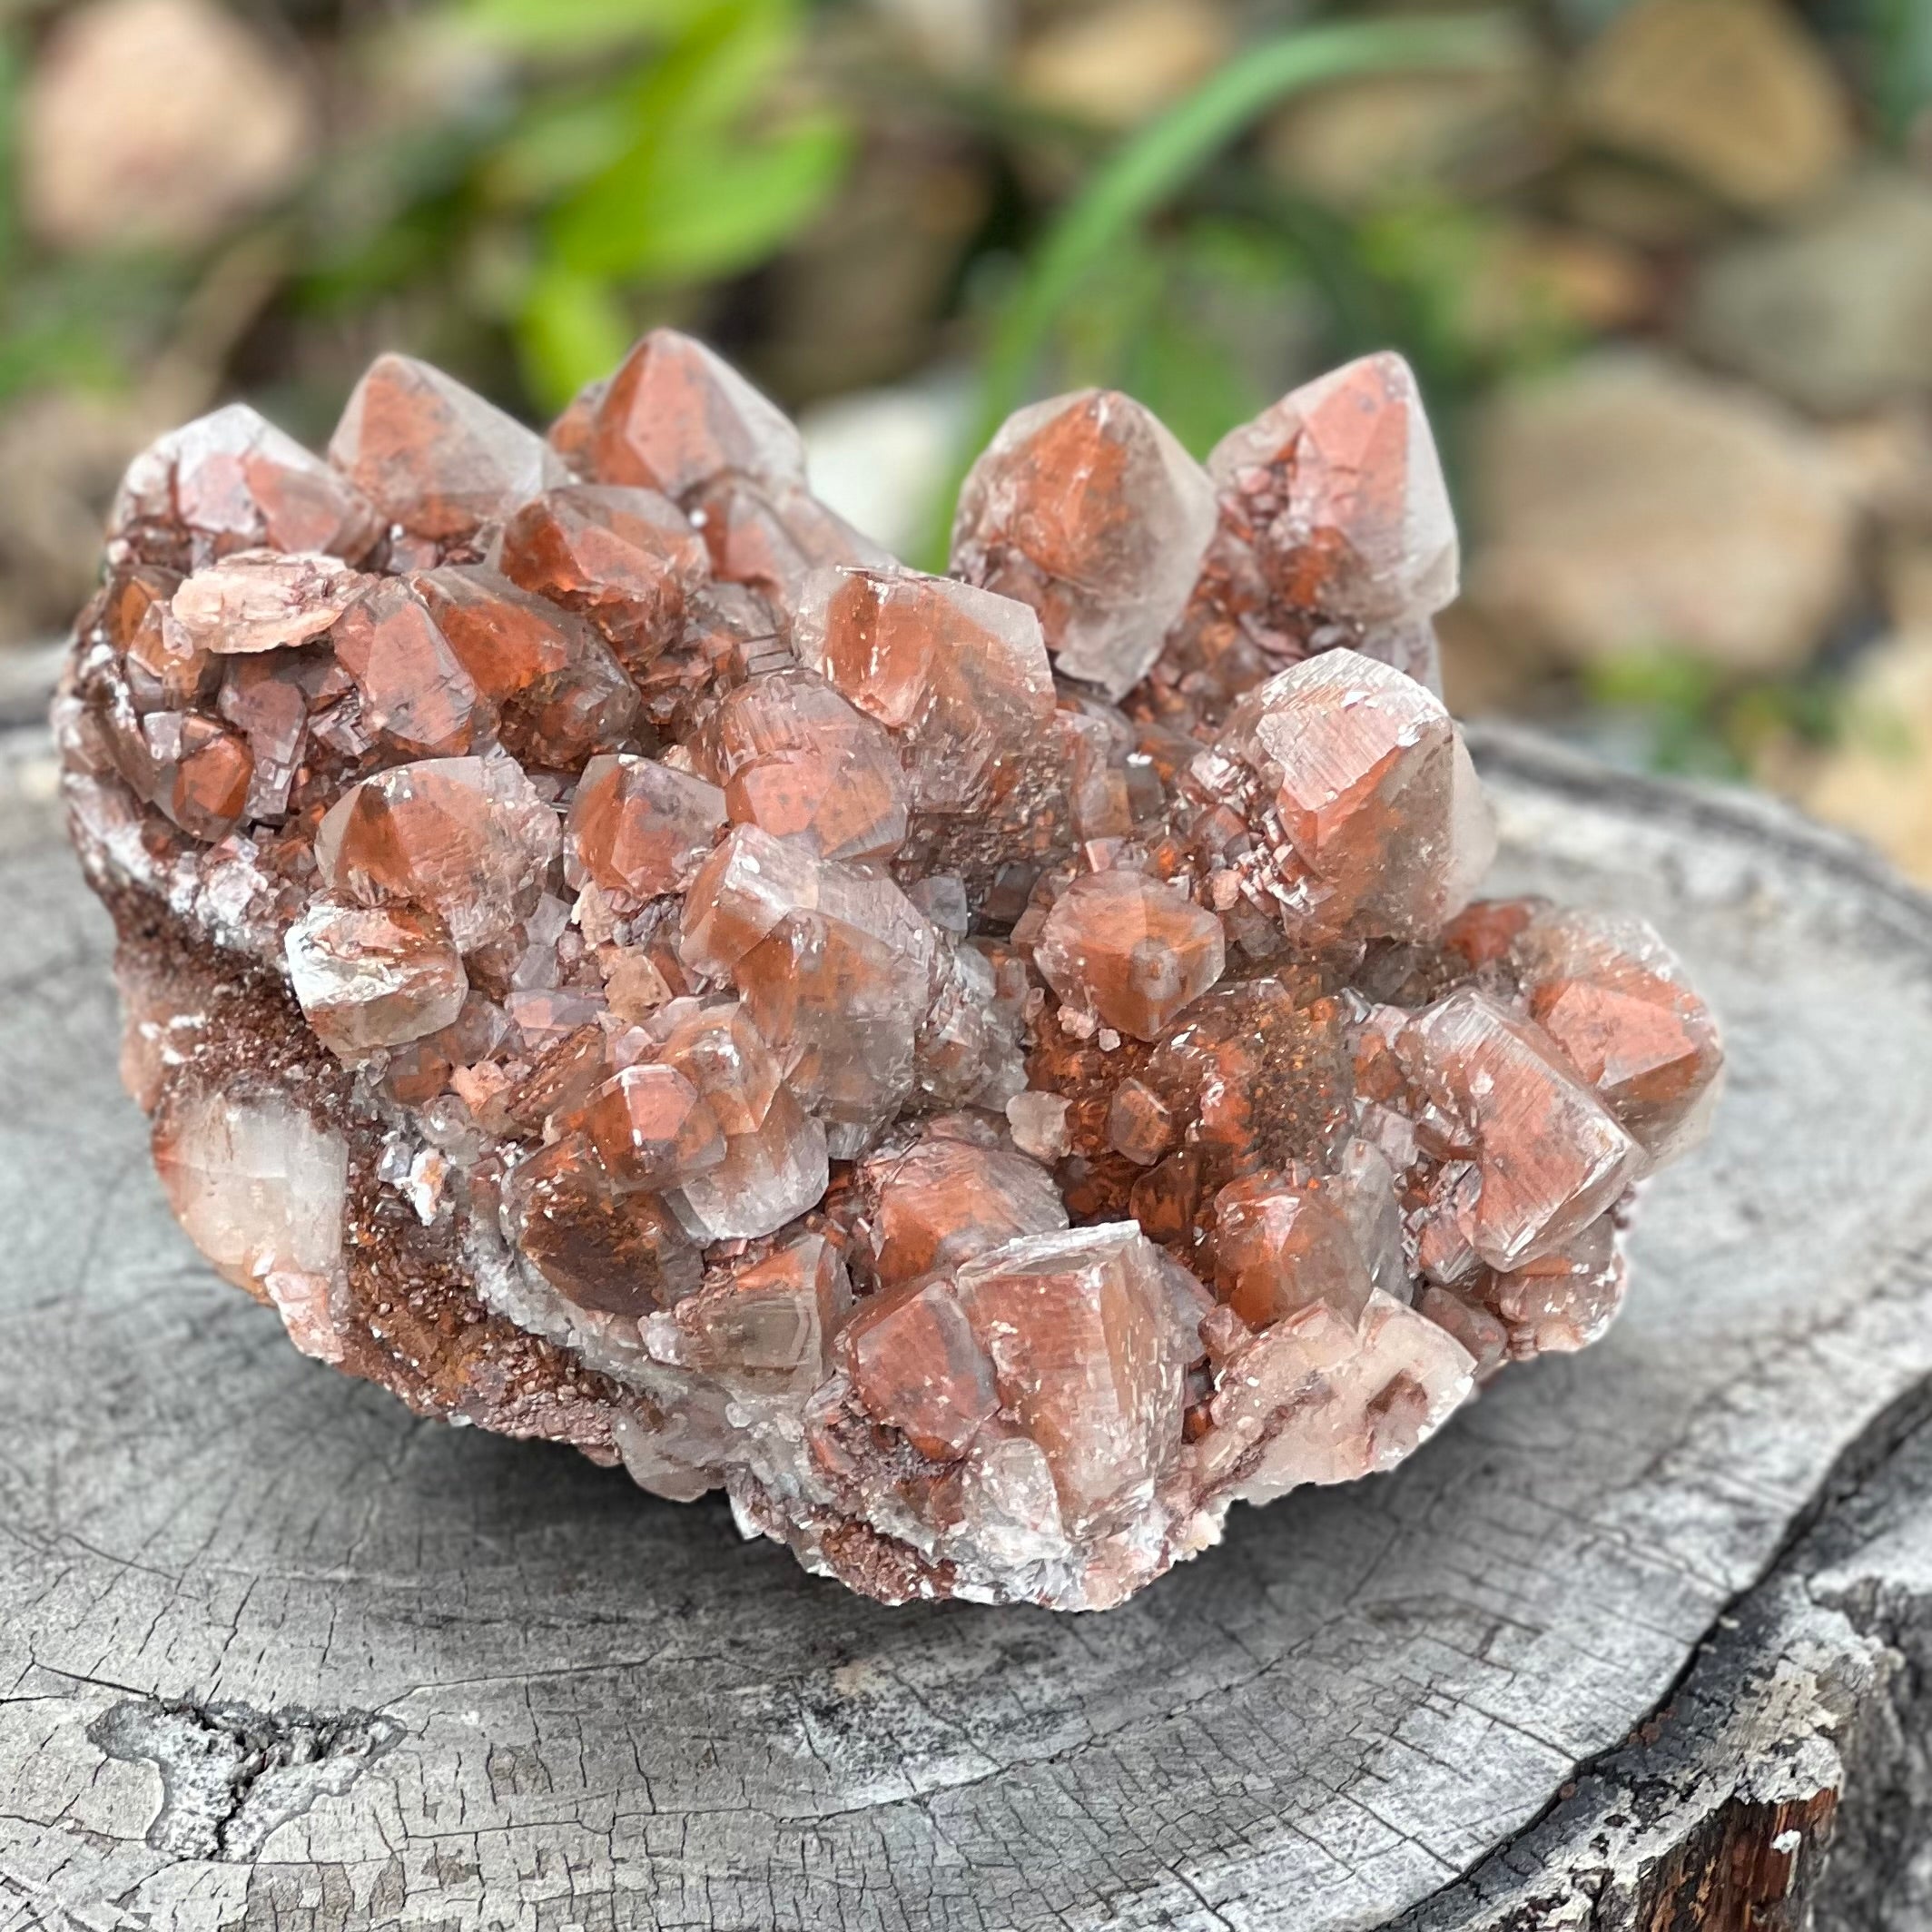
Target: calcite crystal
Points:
(987, 1071)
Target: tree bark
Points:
(1641, 1640)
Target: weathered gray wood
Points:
(523, 1695)
(1786, 1782)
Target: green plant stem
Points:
(1153, 164)
(1901, 53)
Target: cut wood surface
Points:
(1631, 1643)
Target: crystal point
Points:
(1340, 496)
(434, 457)
(1086, 508)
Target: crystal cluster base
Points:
(988, 1070)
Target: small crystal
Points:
(259, 1187)
(1086, 508)
(211, 773)
(1383, 826)
(1038, 1123)
(638, 828)
(1341, 495)
(466, 838)
(373, 976)
(769, 1175)
(610, 1252)
(916, 1367)
(766, 1327)
(943, 1201)
(1613, 998)
(1318, 1398)
(1550, 1157)
(959, 676)
(773, 540)
(1279, 1247)
(650, 1127)
(559, 689)
(835, 971)
(1562, 1301)
(674, 416)
(718, 1049)
(415, 689)
(258, 600)
(232, 481)
(626, 558)
(799, 762)
(433, 456)
(1129, 949)
(1076, 1328)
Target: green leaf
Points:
(690, 214)
(560, 143)
(696, 194)
(719, 68)
(570, 327)
(1675, 682)
(574, 26)
(1902, 62)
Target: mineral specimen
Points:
(988, 1070)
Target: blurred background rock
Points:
(1665, 268)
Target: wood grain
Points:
(273, 1654)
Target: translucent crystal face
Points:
(232, 481)
(433, 457)
(1337, 492)
(1128, 950)
(638, 829)
(799, 762)
(988, 1070)
(626, 558)
(675, 417)
(1087, 509)
(559, 691)
(373, 976)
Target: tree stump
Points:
(1641, 1639)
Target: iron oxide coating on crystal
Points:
(988, 1070)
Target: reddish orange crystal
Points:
(433, 457)
(800, 762)
(231, 482)
(559, 691)
(415, 689)
(638, 829)
(674, 416)
(1086, 508)
(650, 1127)
(1128, 950)
(626, 558)
(943, 1201)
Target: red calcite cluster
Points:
(987, 1070)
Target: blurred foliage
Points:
(1901, 61)
(646, 145)
(584, 166)
(662, 173)
(1688, 719)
